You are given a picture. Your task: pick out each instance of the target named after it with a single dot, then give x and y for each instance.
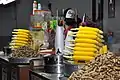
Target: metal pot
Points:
(56, 69)
(54, 64)
(53, 59)
(37, 64)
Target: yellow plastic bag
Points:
(105, 49)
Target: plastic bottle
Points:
(34, 6)
(39, 6)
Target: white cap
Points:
(70, 14)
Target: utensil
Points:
(54, 64)
(56, 69)
(53, 59)
(37, 64)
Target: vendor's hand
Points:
(83, 24)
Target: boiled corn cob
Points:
(17, 44)
(88, 36)
(84, 41)
(81, 53)
(18, 41)
(21, 33)
(83, 49)
(86, 32)
(76, 58)
(18, 38)
(22, 30)
(87, 45)
(88, 29)
(22, 36)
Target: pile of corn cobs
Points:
(24, 52)
(103, 67)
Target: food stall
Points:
(61, 47)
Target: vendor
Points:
(70, 21)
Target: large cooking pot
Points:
(54, 64)
(56, 69)
(36, 64)
(53, 59)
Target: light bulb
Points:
(1, 1)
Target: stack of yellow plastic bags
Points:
(20, 37)
(87, 44)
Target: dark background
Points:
(9, 15)
(14, 17)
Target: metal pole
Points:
(111, 8)
(100, 9)
(100, 12)
(15, 13)
(93, 10)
